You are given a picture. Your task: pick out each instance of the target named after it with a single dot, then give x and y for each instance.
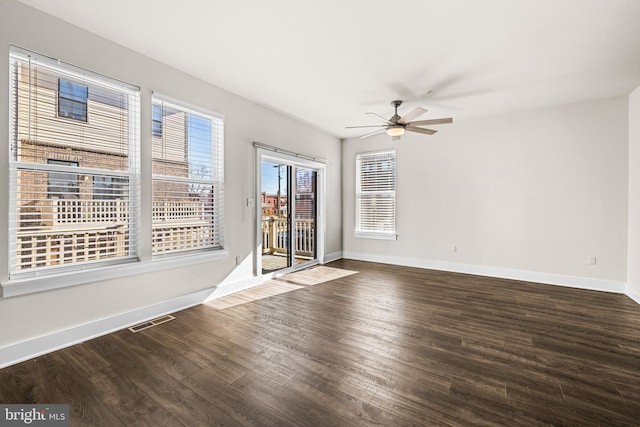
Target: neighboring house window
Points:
(72, 100)
(188, 180)
(376, 194)
(156, 120)
(73, 186)
(109, 187)
(63, 185)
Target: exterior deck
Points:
(66, 231)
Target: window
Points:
(188, 198)
(72, 100)
(156, 120)
(63, 185)
(73, 196)
(376, 195)
(108, 187)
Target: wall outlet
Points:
(454, 248)
(251, 203)
(592, 260)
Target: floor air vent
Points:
(150, 323)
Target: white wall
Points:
(528, 195)
(27, 317)
(633, 250)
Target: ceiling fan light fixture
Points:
(395, 130)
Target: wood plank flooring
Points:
(389, 346)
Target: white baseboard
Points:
(633, 293)
(504, 273)
(332, 257)
(25, 350)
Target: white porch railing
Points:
(178, 211)
(64, 231)
(45, 248)
(56, 212)
(274, 236)
(180, 225)
(73, 211)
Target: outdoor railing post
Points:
(273, 235)
(118, 211)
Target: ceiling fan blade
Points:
(417, 112)
(373, 133)
(367, 126)
(432, 122)
(421, 130)
(395, 138)
(380, 117)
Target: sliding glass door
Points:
(288, 213)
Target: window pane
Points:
(156, 120)
(73, 91)
(199, 151)
(72, 100)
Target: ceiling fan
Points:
(396, 125)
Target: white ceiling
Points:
(327, 62)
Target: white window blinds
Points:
(74, 138)
(376, 193)
(188, 179)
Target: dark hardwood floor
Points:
(389, 346)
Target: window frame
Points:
(379, 193)
(20, 278)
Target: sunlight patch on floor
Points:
(316, 275)
(264, 290)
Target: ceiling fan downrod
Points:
(395, 105)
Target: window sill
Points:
(378, 236)
(24, 286)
